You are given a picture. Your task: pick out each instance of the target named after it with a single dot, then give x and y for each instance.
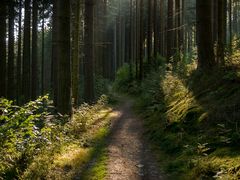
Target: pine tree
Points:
(11, 67)
(26, 53)
(204, 35)
(61, 50)
(89, 52)
(3, 48)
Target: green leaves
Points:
(23, 131)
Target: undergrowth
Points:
(36, 142)
(192, 119)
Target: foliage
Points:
(23, 132)
(101, 86)
(123, 78)
(33, 136)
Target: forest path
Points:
(129, 155)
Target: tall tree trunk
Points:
(61, 41)
(123, 33)
(215, 21)
(156, 30)
(230, 26)
(35, 78)
(105, 61)
(54, 56)
(170, 30)
(19, 55)
(43, 51)
(26, 53)
(89, 52)
(3, 48)
(162, 29)
(222, 16)
(11, 67)
(75, 52)
(178, 29)
(149, 36)
(234, 18)
(204, 35)
(183, 30)
(137, 38)
(131, 39)
(141, 43)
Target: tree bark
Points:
(11, 79)
(75, 52)
(89, 52)
(221, 43)
(3, 48)
(230, 26)
(162, 30)
(149, 35)
(19, 55)
(26, 53)
(204, 35)
(170, 30)
(61, 41)
(43, 51)
(156, 30)
(141, 43)
(35, 63)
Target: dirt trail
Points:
(129, 155)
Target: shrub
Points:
(24, 131)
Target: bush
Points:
(123, 79)
(102, 86)
(74, 135)
(24, 131)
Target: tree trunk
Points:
(222, 16)
(75, 52)
(131, 39)
(43, 52)
(141, 43)
(204, 35)
(3, 48)
(11, 67)
(162, 29)
(156, 30)
(26, 53)
(61, 38)
(89, 52)
(170, 30)
(105, 60)
(35, 78)
(55, 62)
(149, 35)
(215, 21)
(230, 26)
(19, 55)
(178, 29)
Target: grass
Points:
(97, 169)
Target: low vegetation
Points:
(191, 119)
(36, 142)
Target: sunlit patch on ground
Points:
(69, 162)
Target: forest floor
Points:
(129, 154)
